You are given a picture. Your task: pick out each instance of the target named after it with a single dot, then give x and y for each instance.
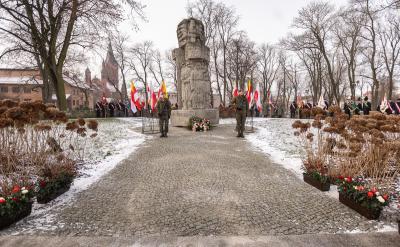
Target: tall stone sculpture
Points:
(192, 59)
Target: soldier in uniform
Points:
(366, 106)
(111, 108)
(99, 109)
(242, 106)
(164, 113)
(398, 107)
(293, 108)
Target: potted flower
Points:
(15, 204)
(367, 201)
(199, 124)
(315, 174)
(55, 181)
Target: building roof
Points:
(31, 80)
(110, 59)
(76, 82)
(20, 80)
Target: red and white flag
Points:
(135, 99)
(249, 93)
(257, 98)
(235, 92)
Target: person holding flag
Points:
(257, 100)
(241, 105)
(164, 113)
(135, 99)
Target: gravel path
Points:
(194, 184)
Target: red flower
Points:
(385, 197)
(374, 190)
(370, 194)
(16, 189)
(349, 179)
(360, 188)
(42, 184)
(15, 199)
(2, 200)
(341, 177)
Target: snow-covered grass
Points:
(275, 138)
(116, 140)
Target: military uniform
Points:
(241, 106)
(164, 112)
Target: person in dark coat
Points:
(164, 113)
(99, 109)
(242, 106)
(397, 107)
(111, 108)
(366, 106)
(347, 108)
(293, 108)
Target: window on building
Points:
(27, 90)
(15, 89)
(4, 89)
(73, 102)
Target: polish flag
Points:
(257, 98)
(249, 94)
(235, 92)
(135, 101)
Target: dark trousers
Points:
(292, 114)
(164, 125)
(240, 121)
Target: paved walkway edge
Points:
(359, 239)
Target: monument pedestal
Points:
(180, 118)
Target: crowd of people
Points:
(350, 107)
(111, 109)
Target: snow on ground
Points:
(275, 138)
(116, 140)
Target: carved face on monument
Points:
(190, 30)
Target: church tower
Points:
(109, 73)
(88, 77)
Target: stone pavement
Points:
(197, 184)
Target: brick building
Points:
(26, 85)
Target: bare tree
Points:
(317, 20)
(267, 66)
(157, 67)
(389, 37)
(226, 22)
(47, 29)
(142, 57)
(348, 34)
(370, 35)
(120, 42)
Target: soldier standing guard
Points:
(164, 113)
(241, 106)
(293, 108)
(99, 109)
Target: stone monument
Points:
(193, 78)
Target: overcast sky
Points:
(263, 20)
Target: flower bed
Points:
(14, 206)
(317, 180)
(368, 202)
(50, 190)
(199, 124)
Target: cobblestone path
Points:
(198, 184)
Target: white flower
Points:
(380, 199)
(377, 193)
(24, 192)
(23, 188)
